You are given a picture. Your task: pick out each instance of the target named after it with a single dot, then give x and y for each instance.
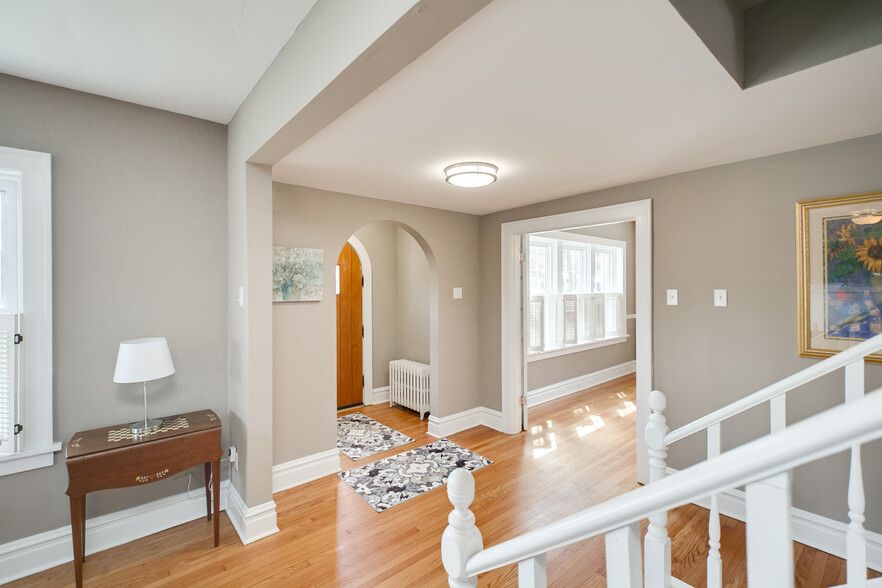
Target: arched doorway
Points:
(399, 312)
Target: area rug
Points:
(398, 478)
(359, 436)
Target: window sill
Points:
(28, 460)
(538, 356)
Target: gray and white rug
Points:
(398, 478)
(359, 436)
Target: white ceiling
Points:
(195, 57)
(565, 96)
(570, 96)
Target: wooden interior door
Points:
(350, 381)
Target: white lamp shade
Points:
(142, 360)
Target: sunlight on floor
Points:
(596, 423)
(579, 411)
(541, 447)
(629, 408)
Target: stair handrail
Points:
(813, 372)
(808, 440)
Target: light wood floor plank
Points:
(579, 452)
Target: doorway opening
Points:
(514, 337)
(398, 313)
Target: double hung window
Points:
(576, 291)
(25, 311)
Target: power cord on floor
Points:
(210, 479)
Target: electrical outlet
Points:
(234, 457)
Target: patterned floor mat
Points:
(359, 436)
(398, 478)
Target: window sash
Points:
(576, 292)
(10, 241)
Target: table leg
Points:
(215, 475)
(208, 488)
(77, 527)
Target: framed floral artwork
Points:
(297, 274)
(839, 246)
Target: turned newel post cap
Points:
(461, 488)
(657, 401)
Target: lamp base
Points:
(141, 428)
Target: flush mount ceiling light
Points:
(473, 174)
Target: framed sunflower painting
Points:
(840, 273)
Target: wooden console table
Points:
(112, 458)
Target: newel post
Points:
(657, 545)
(461, 539)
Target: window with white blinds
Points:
(9, 390)
(26, 436)
(577, 291)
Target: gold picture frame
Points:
(839, 266)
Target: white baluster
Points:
(657, 546)
(769, 547)
(778, 413)
(461, 539)
(856, 537)
(714, 559)
(532, 573)
(854, 380)
(623, 557)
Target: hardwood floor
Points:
(579, 452)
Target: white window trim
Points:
(36, 210)
(28, 460)
(540, 355)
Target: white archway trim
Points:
(367, 312)
(640, 212)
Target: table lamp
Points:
(142, 360)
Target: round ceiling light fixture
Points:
(473, 174)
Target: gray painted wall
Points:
(139, 249)
(304, 346)
(413, 300)
(553, 370)
(400, 296)
(381, 241)
(720, 26)
(725, 227)
(786, 36)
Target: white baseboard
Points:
(580, 383)
(46, 550)
(305, 469)
(379, 395)
(251, 523)
(808, 528)
(441, 427)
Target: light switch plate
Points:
(457, 293)
(672, 297)
(721, 298)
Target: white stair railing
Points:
(852, 363)
(760, 465)
(767, 493)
